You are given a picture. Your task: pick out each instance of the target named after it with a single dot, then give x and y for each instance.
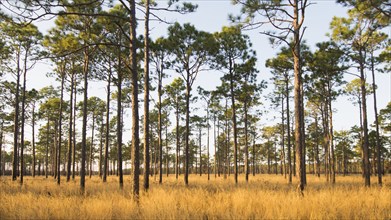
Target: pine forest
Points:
(195, 109)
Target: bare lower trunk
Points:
(16, 126)
(33, 140)
(84, 126)
(283, 137)
(234, 126)
(60, 130)
(298, 101)
(146, 97)
(22, 165)
(69, 159)
(365, 128)
(107, 139)
(289, 130)
(246, 167)
(92, 144)
(187, 156)
(332, 144)
(177, 141)
(119, 126)
(134, 97)
(378, 144)
(74, 136)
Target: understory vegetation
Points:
(263, 197)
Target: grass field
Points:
(264, 197)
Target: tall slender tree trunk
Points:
(317, 148)
(2, 160)
(234, 123)
(84, 125)
(207, 141)
(16, 121)
(119, 124)
(254, 154)
(326, 141)
(283, 135)
(134, 97)
(60, 127)
(107, 139)
(74, 134)
(92, 143)
(55, 149)
(33, 141)
(298, 99)
(361, 134)
(226, 164)
(160, 125)
(101, 147)
(246, 167)
(200, 136)
(378, 144)
(187, 136)
(167, 155)
(331, 141)
(304, 147)
(365, 126)
(288, 130)
(215, 144)
(146, 98)
(47, 149)
(69, 159)
(22, 165)
(177, 139)
(219, 149)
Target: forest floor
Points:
(263, 197)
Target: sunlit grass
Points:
(264, 197)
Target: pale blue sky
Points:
(211, 16)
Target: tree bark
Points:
(188, 90)
(22, 165)
(207, 140)
(331, 142)
(16, 121)
(298, 99)
(60, 127)
(160, 125)
(200, 136)
(215, 144)
(84, 125)
(74, 134)
(2, 161)
(288, 129)
(246, 168)
(234, 123)
(47, 149)
(107, 139)
(92, 143)
(378, 144)
(70, 128)
(365, 125)
(101, 148)
(119, 123)
(167, 155)
(33, 140)
(146, 98)
(283, 135)
(177, 139)
(134, 97)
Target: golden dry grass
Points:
(264, 197)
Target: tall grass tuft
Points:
(263, 197)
